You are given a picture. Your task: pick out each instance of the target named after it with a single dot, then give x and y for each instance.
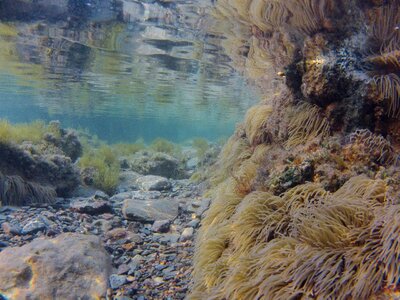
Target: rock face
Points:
(71, 266)
(150, 210)
(149, 163)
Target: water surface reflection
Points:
(123, 69)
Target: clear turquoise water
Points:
(121, 69)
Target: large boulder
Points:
(156, 163)
(148, 211)
(71, 266)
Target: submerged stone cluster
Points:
(62, 236)
(306, 192)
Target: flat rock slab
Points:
(148, 211)
(138, 195)
(90, 206)
(71, 266)
(153, 183)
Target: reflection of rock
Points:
(71, 266)
(53, 9)
(150, 163)
(134, 11)
(150, 210)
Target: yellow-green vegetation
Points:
(306, 123)
(105, 163)
(232, 155)
(7, 30)
(198, 176)
(18, 133)
(256, 122)
(165, 146)
(125, 149)
(305, 242)
(201, 146)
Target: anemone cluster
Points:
(306, 193)
(16, 191)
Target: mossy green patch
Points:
(165, 146)
(7, 30)
(124, 149)
(32, 132)
(106, 165)
(201, 145)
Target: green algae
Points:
(106, 167)
(19, 133)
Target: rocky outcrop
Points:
(64, 139)
(71, 266)
(49, 171)
(304, 194)
(156, 163)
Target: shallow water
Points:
(121, 69)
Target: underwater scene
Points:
(209, 149)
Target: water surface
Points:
(122, 69)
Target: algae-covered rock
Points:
(65, 139)
(153, 183)
(52, 171)
(156, 163)
(71, 266)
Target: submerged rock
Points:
(34, 226)
(138, 195)
(161, 226)
(153, 183)
(150, 210)
(187, 234)
(156, 163)
(70, 266)
(117, 280)
(90, 206)
(127, 181)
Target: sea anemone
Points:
(17, 192)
